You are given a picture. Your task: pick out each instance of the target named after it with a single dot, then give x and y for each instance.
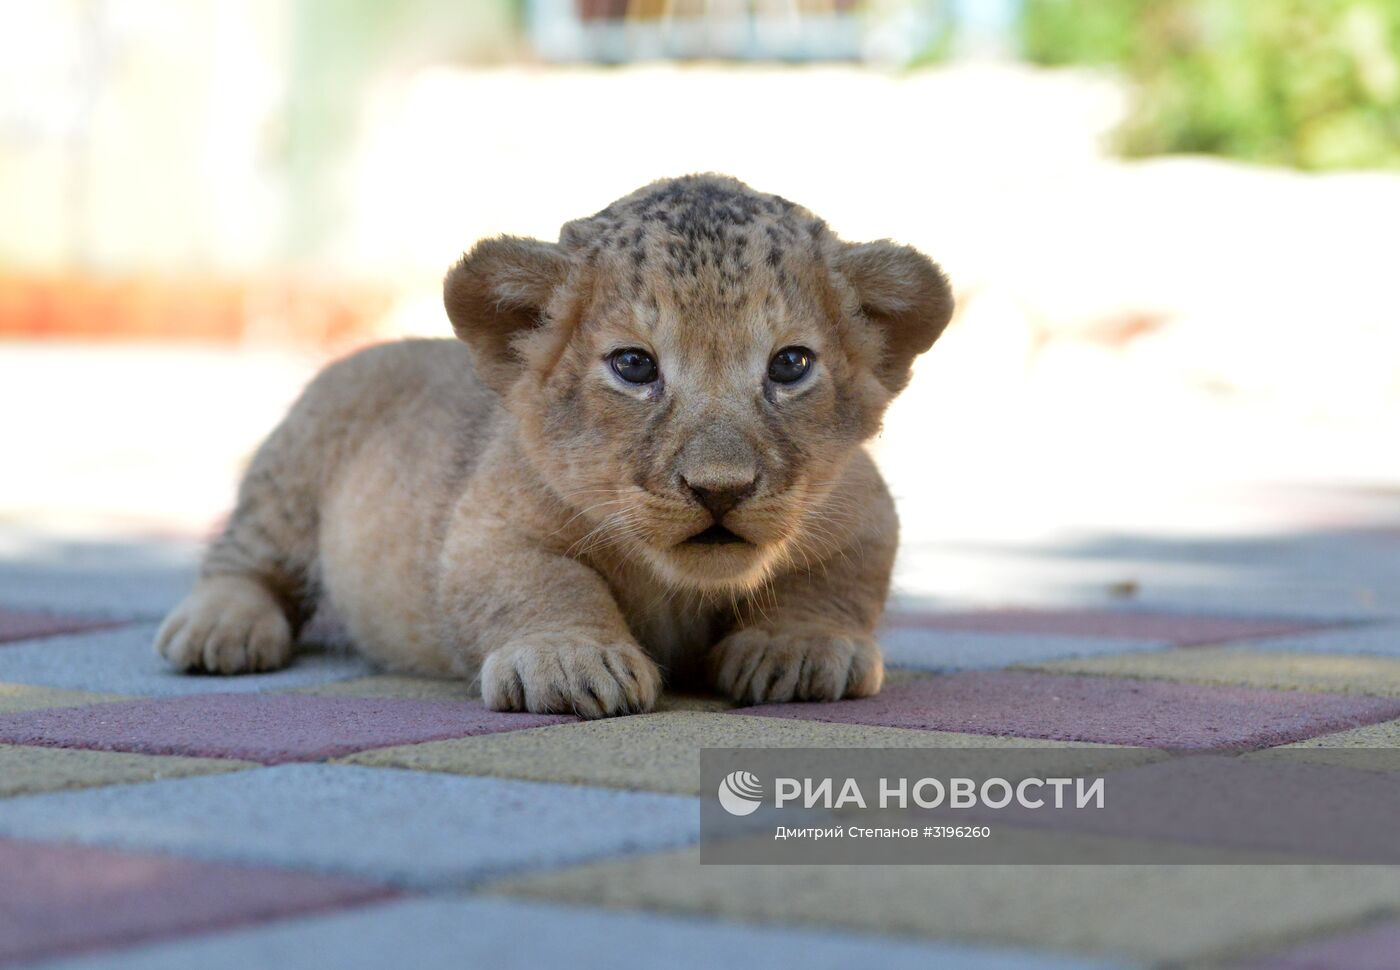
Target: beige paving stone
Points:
(397, 686)
(434, 689)
(1386, 734)
(1244, 667)
(1375, 747)
(27, 697)
(26, 770)
(904, 676)
(1185, 914)
(693, 702)
(658, 752)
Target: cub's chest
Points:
(676, 629)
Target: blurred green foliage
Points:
(1310, 83)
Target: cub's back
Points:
(403, 379)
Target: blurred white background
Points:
(203, 201)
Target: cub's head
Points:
(692, 368)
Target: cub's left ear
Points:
(905, 295)
(500, 292)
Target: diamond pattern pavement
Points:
(334, 812)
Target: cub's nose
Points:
(719, 496)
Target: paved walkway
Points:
(331, 815)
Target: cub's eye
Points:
(633, 366)
(789, 365)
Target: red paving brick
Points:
(1374, 948)
(63, 899)
(1106, 710)
(1180, 629)
(270, 728)
(18, 625)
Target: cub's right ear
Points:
(498, 293)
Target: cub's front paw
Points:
(559, 674)
(228, 625)
(805, 663)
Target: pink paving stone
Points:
(1376, 948)
(270, 728)
(1106, 710)
(1180, 629)
(1309, 811)
(17, 625)
(63, 899)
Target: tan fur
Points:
(508, 508)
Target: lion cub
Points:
(644, 456)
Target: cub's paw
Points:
(803, 663)
(228, 625)
(559, 674)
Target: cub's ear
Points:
(905, 295)
(498, 293)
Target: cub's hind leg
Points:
(254, 585)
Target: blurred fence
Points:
(890, 32)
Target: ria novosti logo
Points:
(740, 793)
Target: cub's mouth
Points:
(715, 535)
